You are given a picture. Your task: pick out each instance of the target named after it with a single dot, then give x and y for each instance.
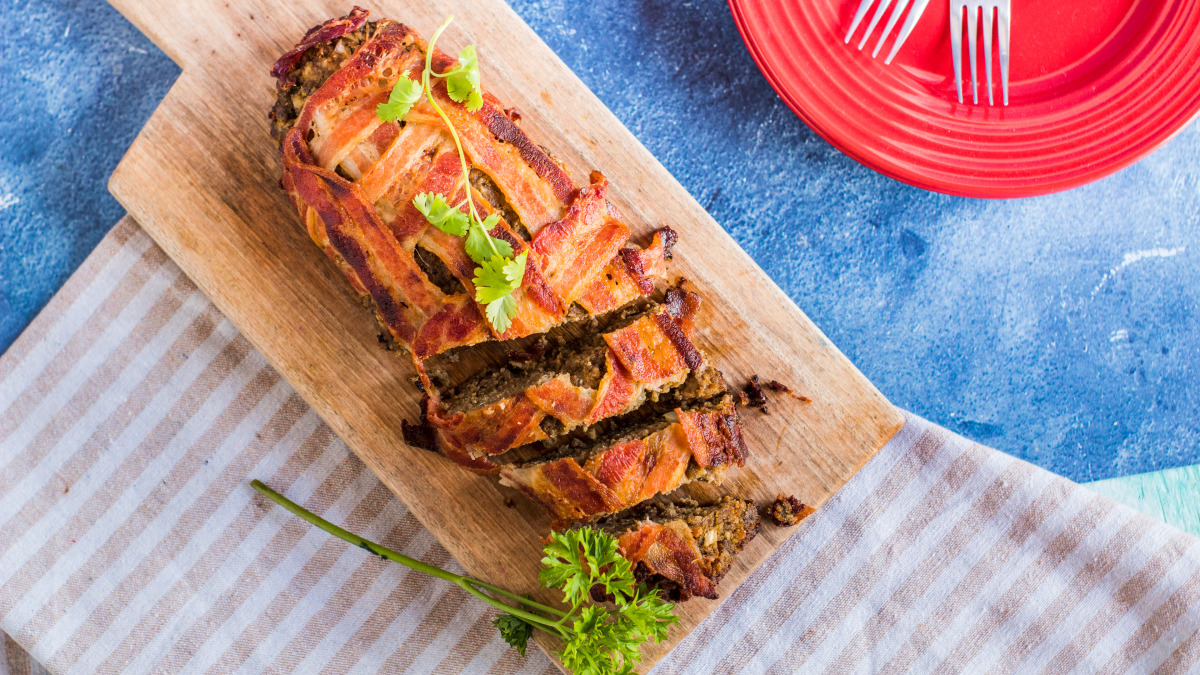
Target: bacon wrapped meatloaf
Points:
(594, 398)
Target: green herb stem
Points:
(566, 617)
(470, 585)
(545, 623)
(476, 221)
(519, 598)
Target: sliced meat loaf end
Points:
(636, 357)
(587, 479)
(682, 547)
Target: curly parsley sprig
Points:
(597, 639)
(499, 273)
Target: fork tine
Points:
(858, 17)
(987, 48)
(1003, 17)
(874, 20)
(972, 25)
(956, 30)
(890, 24)
(915, 13)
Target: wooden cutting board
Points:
(202, 179)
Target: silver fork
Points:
(973, 8)
(918, 8)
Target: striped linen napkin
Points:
(132, 415)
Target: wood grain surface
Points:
(202, 179)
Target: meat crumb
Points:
(776, 385)
(786, 511)
(418, 435)
(386, 340)
(509, 503)
(752, 395)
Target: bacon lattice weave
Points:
(352, 177)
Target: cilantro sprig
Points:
(597, 639)
(499, 273)
(404, 95)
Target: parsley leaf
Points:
(564, 565)
(648, 615)
(462, 81)
(514, 630)
(603, 641)
(400, 101)
(441, 215)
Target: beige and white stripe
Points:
(132, 416)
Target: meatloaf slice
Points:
(682, 547)
(635, 356)
(587, 478)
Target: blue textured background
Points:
(1062, 329)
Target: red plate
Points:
(1095, 86)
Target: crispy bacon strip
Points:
(655, 351)
(407, 304)
(628, 473)
(576, 249)
(618, 392)
(630, 275)
(562, 400)
(492, 429)
(326, 32)
(669, 551)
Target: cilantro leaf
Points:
(506, 251)
(495, 280)
(481, 247)
(500, 313)
(514, 269)
(478, 245)
(491, 281)
(441, 215)
(514, 630)
(400, 101)
(462, 82)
